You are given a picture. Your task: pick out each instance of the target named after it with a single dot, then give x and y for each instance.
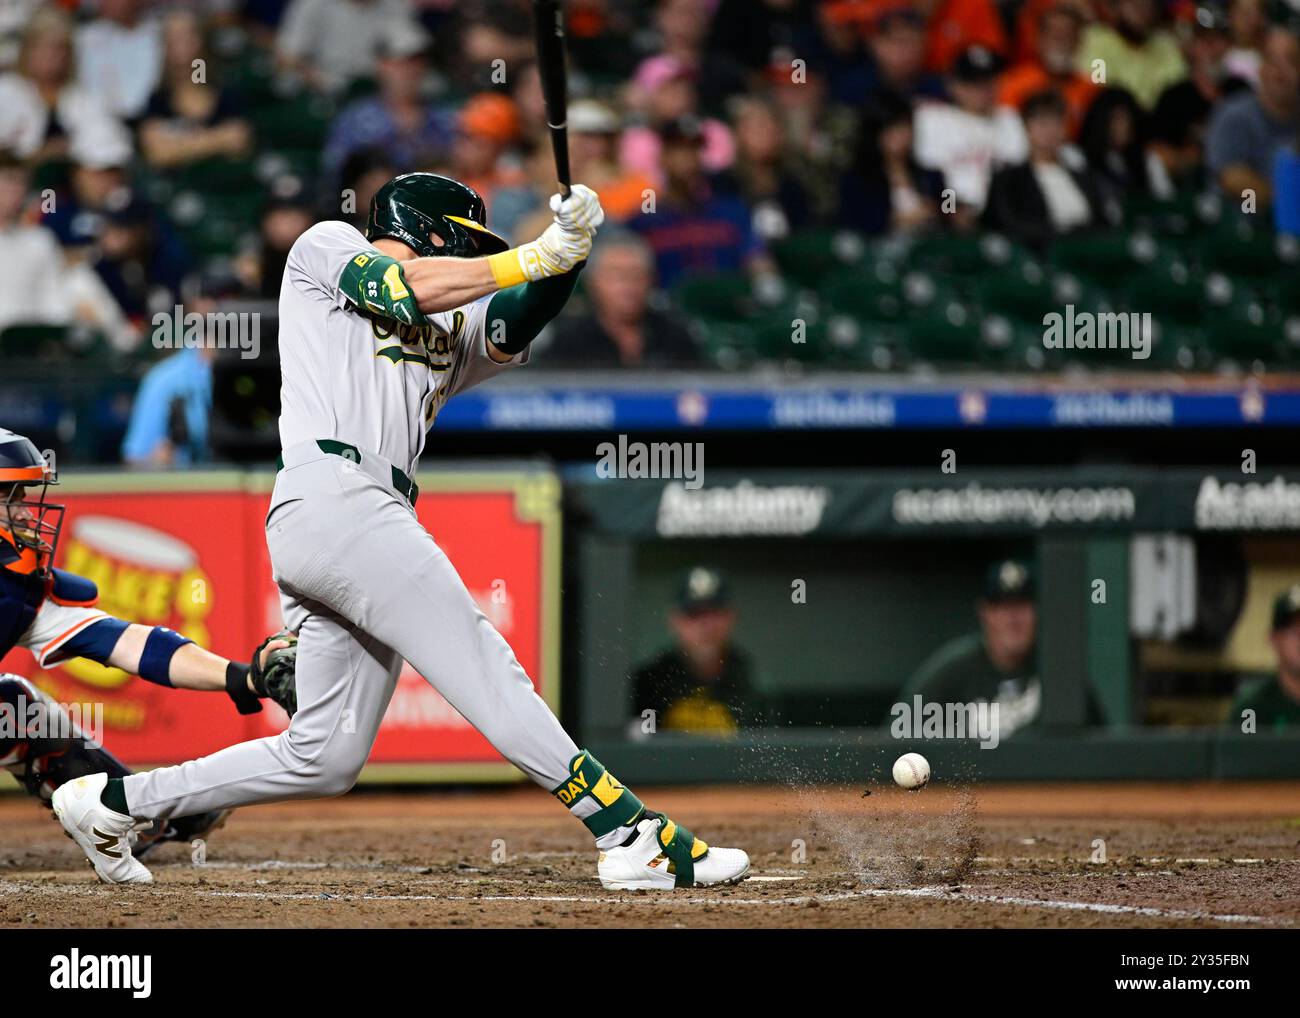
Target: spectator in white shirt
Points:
(40, 284)
(30, 286)
(971, 137)
(42, 111)
(332, 43)
(119, 57)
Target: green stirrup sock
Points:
(596, 797)
(114, 796)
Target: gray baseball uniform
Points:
(360, 579)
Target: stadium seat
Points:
(946, 331)
(1247, 246)
(960, 254)
(1022, 290)
(1175, 347)
(1175, 293)
(792, 334)
(33, 341)
(1107, 259)
(216, 176)
(725, 296)
(1246, 332)
(877, 292)
(1186, 214)
(865, 343)
(297, 121)
(723, 345)
(808, 256)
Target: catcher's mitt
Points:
(274, 678)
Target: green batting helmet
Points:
(416, 207)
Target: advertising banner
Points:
(187, 552)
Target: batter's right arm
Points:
(442, 284)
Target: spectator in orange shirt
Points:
(593, 139)
(1059, 30)
(957, 25)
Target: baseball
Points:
(912, 771)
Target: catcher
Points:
(52, 613)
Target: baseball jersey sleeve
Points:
(473, 363)
(317, 259)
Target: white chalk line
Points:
(935, 893)
(932, 893)
(983, 860)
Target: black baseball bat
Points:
(548, 23)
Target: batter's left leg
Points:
(427, 615)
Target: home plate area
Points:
(1014, 856)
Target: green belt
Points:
(406, 487)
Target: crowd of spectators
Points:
(712, 129)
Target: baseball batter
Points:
(377, 332)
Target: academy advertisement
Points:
(943, 502)
(188, 559)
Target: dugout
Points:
(1153, 586)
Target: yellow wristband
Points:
(507, 268)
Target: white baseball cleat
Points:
(103, 834)
(664, 855)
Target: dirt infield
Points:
(1175, 855)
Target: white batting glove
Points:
(561, 248)
(580, 211)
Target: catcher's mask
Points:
(29, 525)
(416, 207)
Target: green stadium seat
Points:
(53, 342)
(947, 331)
(33, 341)
(779, 338)
(726, 296)
(1023, 290)
(1176, 294)
(877, 292)
(1186, 214)
(216, 176)
(724, 345)
(1247, 246)
(1106, 259)
(1175, 347)
(252, 75)
(1246, 332)
(1280, 292)
(297, 121)
(960, 254)
(808, 256)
